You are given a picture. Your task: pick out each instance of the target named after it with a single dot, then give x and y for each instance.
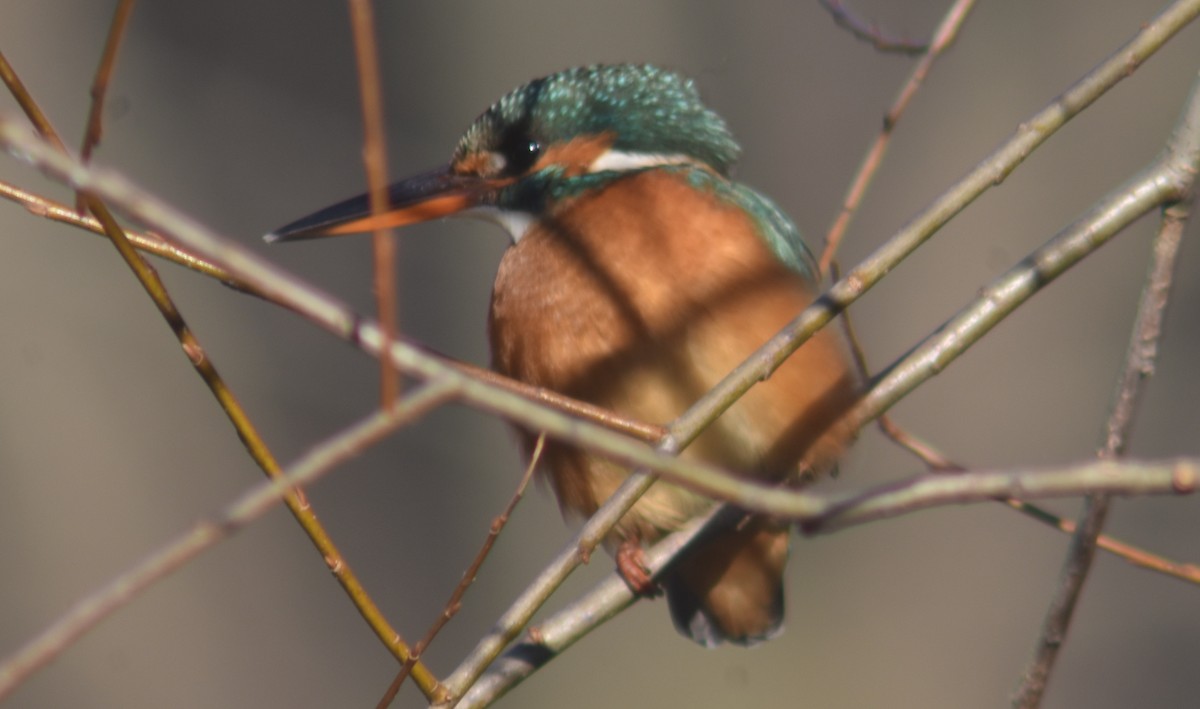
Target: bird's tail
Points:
(733, 590)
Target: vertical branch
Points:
(1139, 365)
(255, 445)
(95, 121)
(362, 20)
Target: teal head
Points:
(547, 139)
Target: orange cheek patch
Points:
(474, 164)
(576, 155)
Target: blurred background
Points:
(246, 116)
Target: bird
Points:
(638, 274)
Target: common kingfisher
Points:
(638, 276)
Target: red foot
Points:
(631, 565)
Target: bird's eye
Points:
(520, 152)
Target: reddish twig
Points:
(108, 61)
(946, 32)
(362, 20)
(295, 499)
(154, 244)
(870, 31)
(455, 603)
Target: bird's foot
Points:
(631, 565)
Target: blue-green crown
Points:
(646, 110)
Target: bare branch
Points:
(612, 595)
(455, 602)
(95, 120)
(333, 316)
(869, 31)
(362, 20)
(95, 607)
(339, 320)
(248, 434)
(945, 35)
(990, 172)
(1139, 365)
(938, 462)
(556, 633)
(1164, 181)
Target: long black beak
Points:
(437, 193)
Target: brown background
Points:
(245, 114)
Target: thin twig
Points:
(455, 603)
(108, 61)
(104, 601)
(869, 31)
(32, 111)
(987, 174)
(1134, 555)
(838, 511)
(947, 31)
(612, 595)
(938, 462)
(932, 458)
(1165, 180)
(1139, 365)
(553, 635)
(326, 312)
(943, 37)
(146, 242)
(247, 433)
(383, 242)
(154, 244)
(825, 512)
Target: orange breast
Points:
(639, 297)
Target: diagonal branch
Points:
(281, 286)
(939, 463)
(205, 534)
(148, 277)
(838, 511)
(154, 244)
(869, 31)
(1139, 365)
(331, 315)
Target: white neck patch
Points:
(516, 223)
(619, 160)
